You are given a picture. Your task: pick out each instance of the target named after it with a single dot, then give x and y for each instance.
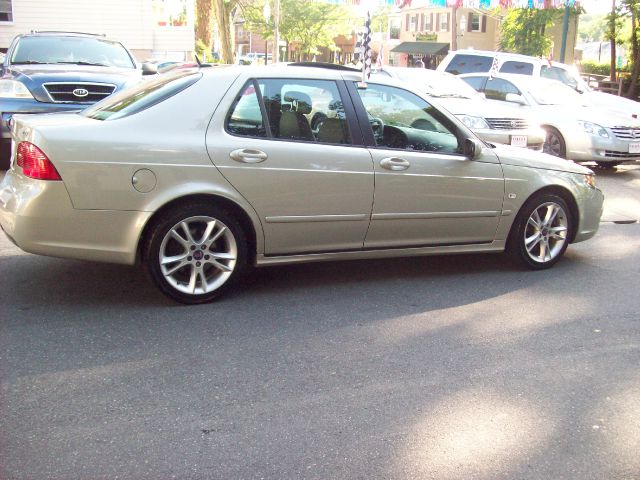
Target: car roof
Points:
(518, 80)
(55, 33)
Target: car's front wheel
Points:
(541, 231)
(195, 252)
(554, 143)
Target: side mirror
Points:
(515, 98)
(472, 148)
(149, 69)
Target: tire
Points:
(209, 251)
(607, 165)
(541, 232)
(554, 143)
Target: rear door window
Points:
(469, 64)
(497, 89)
(475, 82)
(521, 68)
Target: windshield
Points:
(554, 93)
(437, 84)
(71, 50)
(142, 96)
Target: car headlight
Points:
(593, 129)
(474, 123)
(13, 89)
(590, 179)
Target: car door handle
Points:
(248, 155)
(394, 163)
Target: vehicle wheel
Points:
(554, 143)
(541, 232)
(195, 252)
(608, 165)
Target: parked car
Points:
(200, 174)
(480, 61)
(574, 131)
(57, 71)
(492, 123)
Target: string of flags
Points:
(487, 4)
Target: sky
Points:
(595, 7)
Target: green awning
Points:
(422, 48)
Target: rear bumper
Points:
(39, 218)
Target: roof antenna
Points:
(198, 60)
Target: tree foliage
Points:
(524, 30)
(308, 24)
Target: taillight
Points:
(35, 163)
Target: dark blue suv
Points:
(60, 71)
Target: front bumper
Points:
(582, 147)
(535, 136)
(14, 106)
(39, 218)
(590, 204)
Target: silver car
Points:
(576, 130)
(505, 124)
(202, 174)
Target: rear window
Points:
(142, 96)
(522, 68)
(469, 64)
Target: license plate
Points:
(520, 141)
(634, 147)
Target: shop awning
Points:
(422, 48)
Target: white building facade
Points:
(149, 28)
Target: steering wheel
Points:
(377, 125)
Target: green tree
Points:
(204, 24)
(309, 24)
(523, 30)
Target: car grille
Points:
(626, 133)
(507, 123)
(621, 155)
(63, 92)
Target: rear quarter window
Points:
(469, 64)
(145, 95)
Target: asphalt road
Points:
(459, 367)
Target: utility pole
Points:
(276, 31)
(612, 32)
(565, 31)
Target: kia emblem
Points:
(81, 92)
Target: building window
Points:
(428, 22)
(444, 22)
(414, 23)
(475, 22)
(6, 11)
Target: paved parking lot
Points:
(447, 368)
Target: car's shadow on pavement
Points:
(54, 283)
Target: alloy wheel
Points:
(545, 233)
(198, 255)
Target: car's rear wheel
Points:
(554, 143)
(195, 252)
(541, 233)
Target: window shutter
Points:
(484, 23)
(422, 22)
(406, 23)
(470, 22)
(431, 21)
(437, 29)
(448, 22)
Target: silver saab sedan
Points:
(200, 174)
